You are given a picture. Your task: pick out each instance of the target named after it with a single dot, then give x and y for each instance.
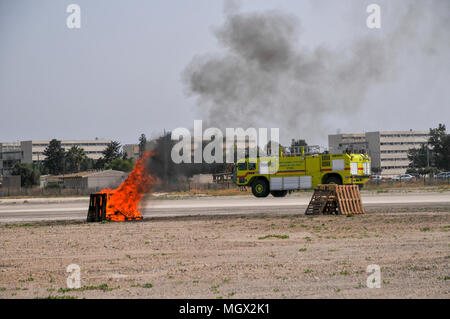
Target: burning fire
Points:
(123, 202)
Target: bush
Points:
(119, 164)
(52, 185)
(29, 174)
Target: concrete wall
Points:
(11, 181)
(373, 140)
(76, 182)
(132, 150)
(27, 150)
(106, 179)
(333, 143)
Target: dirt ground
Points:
(245, 257)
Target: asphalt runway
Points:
(60, 209)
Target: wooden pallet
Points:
(335, 199)
(97, 208)
(349, 200)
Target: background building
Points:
(354, 143)
(246, 142)
(87, 180)
(33, 151)
(10, 154)
(132, 150)
(388, 150)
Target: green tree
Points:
(99, 163)
(74, 158)
(439, 142)
(433, 156)
(423, 170)
(419, 157)
(54, 161)
(112, 152)
(29, 174)
(119, 164)
(443, 158)
(87, 164)
(142, 144)
(436, 137)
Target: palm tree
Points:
(74, 158)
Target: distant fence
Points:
(45, 192)
(420, 181)
(159, 187)
(188, 186)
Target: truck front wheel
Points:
(260, 188)
(333, 180)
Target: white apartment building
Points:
(33, 151)
(388, 150)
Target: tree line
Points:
(59, 161)
(433, 156)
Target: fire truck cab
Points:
(289, 172)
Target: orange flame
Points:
(123, 202)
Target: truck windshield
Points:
(242, 166)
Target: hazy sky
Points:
(120, 74)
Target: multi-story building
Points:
(388, 150)
(132, 150)
(33, 151)
(341, 143)
(10, 154)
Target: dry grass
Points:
(320, 257)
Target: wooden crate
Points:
(335, 199)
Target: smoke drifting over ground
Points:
(264, 79)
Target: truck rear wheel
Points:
(333, 180)
(278, 193)
(260, 188)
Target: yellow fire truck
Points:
(287, 172)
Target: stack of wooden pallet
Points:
(335, 199)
